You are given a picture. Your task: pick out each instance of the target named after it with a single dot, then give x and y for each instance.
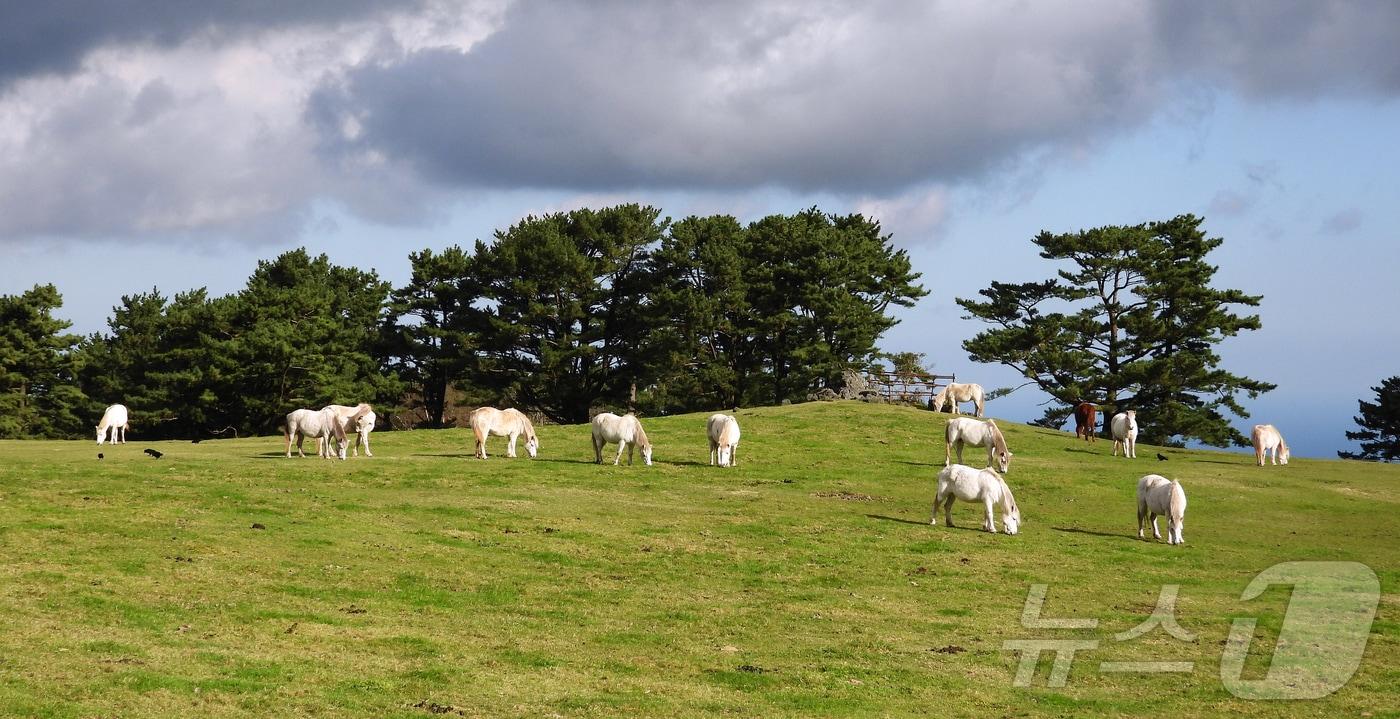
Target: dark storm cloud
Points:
(53, 36)
(1285, 48)
(826, 97)
(806, 96)
(210, 115)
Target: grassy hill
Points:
(225, 580)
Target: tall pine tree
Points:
(39, 396)
(1380, 425)
(1129, 321)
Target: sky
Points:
(173, 145)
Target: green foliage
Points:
(432, 326)
(1132, 322)
(568, 308)
(772, 311)
(562, 314)
(1380, 425)
(38, 395)
(909, 366)
(302, 333)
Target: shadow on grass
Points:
(885, 518)
(1076, 530)
(919, 464)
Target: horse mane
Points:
(1176, 502)
(1008, 502)
(641, 434)
(998, 440)
(527, 425)
(360, 411)
(337, 428)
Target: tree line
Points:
(561, 314)
(624, 309)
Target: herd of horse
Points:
(332, 427)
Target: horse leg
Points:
(734, 455)
(1152, 517)
(948, 509)
(364, 440)
(933, 515)
(621, 445)
(1115, 447)
(980, 406)
(287, 434)
(510, 447)
(947, 453)
(1132, 447)
(990, 523)
(597, 451)
(714, 452)
(1142, 514)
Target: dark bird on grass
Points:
(155, 453)
(99, 455)
(1161, 457)
(194, 441)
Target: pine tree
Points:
(570, 311)
(1380, 425)
(1131, 323)
(432, 327)
(39, 396)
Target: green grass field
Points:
(805, 582)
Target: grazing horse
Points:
(113, 422)
(1267, 440)
(958, 393)
(626, 431)
(1158, 495)
(724, 439)
(976, 485)
(1086, 421)
(509, 423)
(1125, 432)
(359, 420)
(962, 430)
(303, 423)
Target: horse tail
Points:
(1177, 503)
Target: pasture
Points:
(225, 580)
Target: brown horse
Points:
(1086, 422)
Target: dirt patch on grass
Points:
(434, 708)
(849, 496)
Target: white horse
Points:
(359, 420)
(724, 439)
(1267, 440)
(303, 423)
(976, 485)
(962, 430)
(1158, 495)
(509, 423)
(958, 393)
(626, 431)
(1125, 431)
(113, 422)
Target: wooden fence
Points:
(896, 388)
